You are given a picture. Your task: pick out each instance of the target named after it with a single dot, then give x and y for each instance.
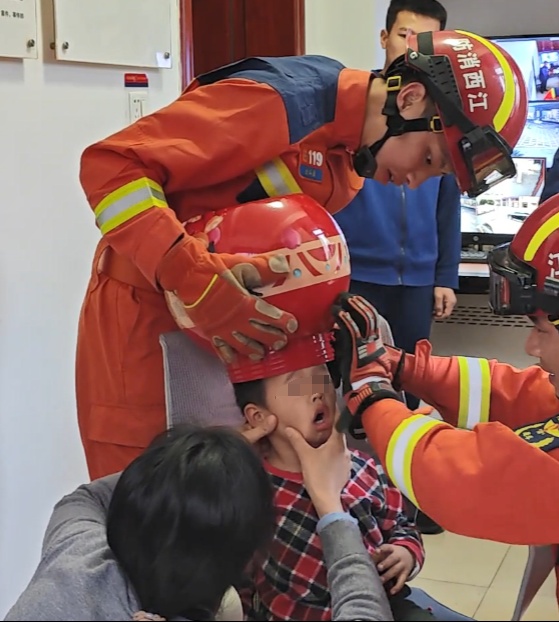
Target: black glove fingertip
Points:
(344, 421)
(335, 310)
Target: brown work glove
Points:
(366, 368)
(214, 291)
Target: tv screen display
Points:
(538, 59)
(502, 209)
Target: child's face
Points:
(304, 400)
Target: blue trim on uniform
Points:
(307, 84)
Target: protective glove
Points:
(366, 368)
(215, 290)
(368, 321)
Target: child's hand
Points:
(397, 564)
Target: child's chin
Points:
(319, 439)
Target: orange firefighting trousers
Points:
(119, 370)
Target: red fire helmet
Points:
(481, 101)
(524, 274)
(489, 85)
(302, 230)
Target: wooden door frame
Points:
(300, 28)
(186, 37)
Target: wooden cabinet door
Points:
(274, 28)
(218, 32)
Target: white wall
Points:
(49, 113)
(347, 30)
(504, 17)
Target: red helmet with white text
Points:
(481, 101)
(299, 228)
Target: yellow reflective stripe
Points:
(276, 178)
(128, 201)
(485, 390)
(541, 235)
(287, 177)
(504, 112)
(401, 446)
(475, 391)
(204, 293)
(464, 392)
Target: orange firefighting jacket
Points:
(491, 469)
(256, 128)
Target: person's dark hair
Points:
(251, 392)
(187, 516)
(426, 8)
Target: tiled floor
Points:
(481, 579)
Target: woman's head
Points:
(187, 516)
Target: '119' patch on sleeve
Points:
(311, 164)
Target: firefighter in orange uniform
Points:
(260, 128)
(491, 468)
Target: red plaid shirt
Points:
(291, 583)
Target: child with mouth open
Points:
(291, 583)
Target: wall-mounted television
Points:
(538, 59)
(496, 215)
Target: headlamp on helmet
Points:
(513, 286)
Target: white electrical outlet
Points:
(136, 105)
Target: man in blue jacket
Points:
(404, 239)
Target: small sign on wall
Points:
(136, 80)
(18, 29)
(136, 85)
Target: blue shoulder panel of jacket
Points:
(308, 86)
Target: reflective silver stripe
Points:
(128, 201)
(137, 196)
(276, 179)
(400, 450)
(475, 390)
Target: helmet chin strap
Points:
(364, 160)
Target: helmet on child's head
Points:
(524, 274)
(302, 230)
(481, 101)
